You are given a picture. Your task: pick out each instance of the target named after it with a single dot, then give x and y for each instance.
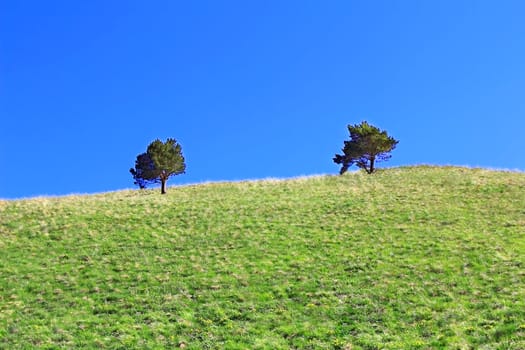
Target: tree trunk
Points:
(372, 160)
(163, 186)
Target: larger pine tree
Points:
(367, 146)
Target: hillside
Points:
(408, 258)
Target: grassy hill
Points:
(408, 258)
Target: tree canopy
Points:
(161, 161)
(367, 146)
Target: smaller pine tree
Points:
(367, 146)
(161, 161)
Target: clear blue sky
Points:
(252, 89)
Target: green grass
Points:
(408, 258)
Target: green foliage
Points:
(367, 146)
(144, 171)
(162, 160)
(435, 262)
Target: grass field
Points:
(408, 258)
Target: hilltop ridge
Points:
(409, 257)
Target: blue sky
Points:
(252, 89)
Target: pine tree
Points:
(161, 161)
(367, 146)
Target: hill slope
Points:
(408, 258)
